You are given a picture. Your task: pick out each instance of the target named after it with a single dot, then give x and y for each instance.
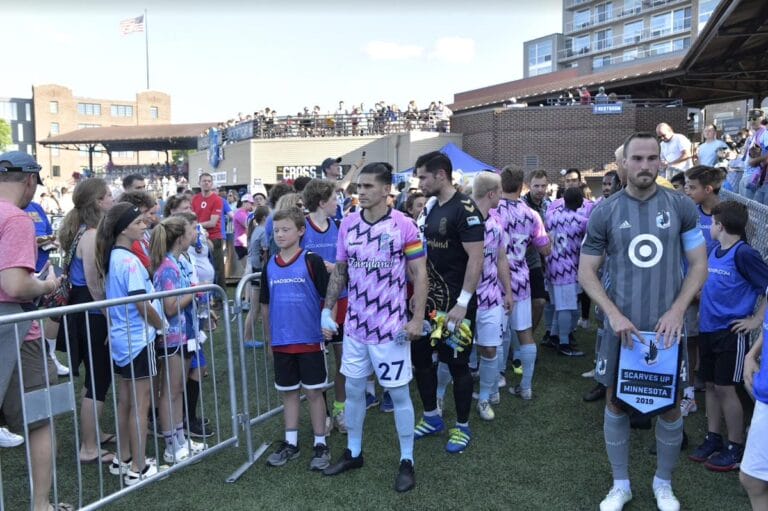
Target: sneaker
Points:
(616, 499)
(440, 406)
(61, 369)
(495, 398)
(485, 411)
(386, 403)
(8, 439)
(712, 443)
(347, 462)
(517, 367)
(688, 406)
(551, 341)
(458, 439)
(583, 323)
(569, 350)
(195, 447)
(588, 374)
(118, 468)
(502, 381)
(371, 400)
(727, 459)
(176, 454)
(198, 429)
(665, 499)
(338, 420)
(130, 478)
(406, 478)
(428, 426)
(284, 453)
(321, 458)
(526, 394)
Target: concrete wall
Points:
(553, 138)
(249, 161)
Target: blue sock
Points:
(549, 314)
(354, 414)
(404, 419)
(489, 377)
(528, 358)
(443, 379)
(564, 326)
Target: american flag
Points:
(132, 25)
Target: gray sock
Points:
(616, 432)
(669, 437)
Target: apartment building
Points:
(17, 112)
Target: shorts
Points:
(162, 351)
(521, 317)
(721, 357)
(294, 370)
(692, 320)
(490, 326)
(538, 289)
(607, 356)
(35, 366)
(566, 297)
(144, 365)
(754, 463)
(390, 361)
(241, 252)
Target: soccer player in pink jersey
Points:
(566, 227)
(378, 247)
(523, 227)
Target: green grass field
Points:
(546, 454)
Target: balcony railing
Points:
(570, 4)
(622, 41)
(616, 14)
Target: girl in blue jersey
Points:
(170, 239)
(132, 334)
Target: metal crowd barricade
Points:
(55, 400)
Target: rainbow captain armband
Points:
(414, 250)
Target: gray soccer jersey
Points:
(643, 244)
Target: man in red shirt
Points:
(207, 205)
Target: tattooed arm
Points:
(336, 284)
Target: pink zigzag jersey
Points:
(567, 229)
(489, 292)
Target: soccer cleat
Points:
(712, 443)
(551, 341)
(321, 458)
(569, 350)
(458, 439)
(485, 411)
(347, 462)
(386, 403)
(406, 478)
(284, 453)
(665, 499)
(588, 374)
(338, 419)
(688, 406)
(8, 439)
(727, 459)
(176, 454)
(616, 499)
(440, 406)
(428, 426)
(131, 477)
(495, 398)
(526, 394)
(370, 401)
(597, 393)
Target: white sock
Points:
(318, 439)
(659, 482)
(292, 437)
(622, 484)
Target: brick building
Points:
(56, 110)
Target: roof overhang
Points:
(159, 137)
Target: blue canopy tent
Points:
(461, 161)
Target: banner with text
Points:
(285, 172)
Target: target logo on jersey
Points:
(645, 251)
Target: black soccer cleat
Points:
(406, 477)
(347, 462)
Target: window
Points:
(603, 12)
(603, 60)
(121, 111)
(55, 170)
(581, 19)
(8, 110)
(88, 125)
(19, 133)
(123, 154)
(661, 24)
(632, 6)
(633, 32)
(629, 55)
(154, 112)
(681, 44)
(661, 48)
(89, 109)
(54, 128)
(540, 58)
(705, 11)
(681, 19)
(53, 107)
(581, 45)
(54, 150)
(604, 39)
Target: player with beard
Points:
(453, 229)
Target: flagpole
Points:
(146, 44)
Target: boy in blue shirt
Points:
(293, 284)
(737, 277)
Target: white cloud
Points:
(383, 50)
(457, 50)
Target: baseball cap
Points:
(20, 162)
(328, 162)
(247, 198)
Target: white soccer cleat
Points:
(665, 499)
(485, 411)
(616, 499)
(688, 406)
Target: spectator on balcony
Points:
(585, 98)
(601, 96)
(443, 117)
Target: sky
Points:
(218, 58)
